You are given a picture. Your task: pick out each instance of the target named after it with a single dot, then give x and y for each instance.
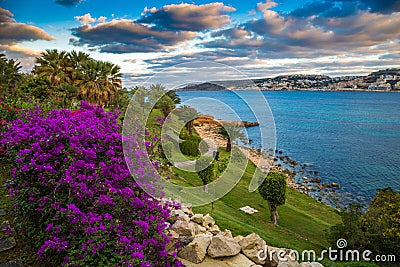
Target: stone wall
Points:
(202, 243)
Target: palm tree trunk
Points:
(228, 145)
(190, 127)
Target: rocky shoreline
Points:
(301, 177)
(203, 244)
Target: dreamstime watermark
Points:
(140, 112)
(339, 254)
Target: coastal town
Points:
(382, 80)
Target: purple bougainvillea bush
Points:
(75, 197)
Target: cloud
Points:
(15, 51)
(126, 36)
(88, 19)
(85, 19)
(272, 22)
(68, 3)
(308, 32)
(385, 7)
(12, 32)
(101, 19)
(188, 17)
(6, 16)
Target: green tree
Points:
(232, 133)
(9, 74)
(350, 228)
(382, 222)
(273, 189)
(377, 230)
(99, 82)
(205, 170)
(174, 97)
(159, 99)
(187, 114)
(55, 65)
(37, 86)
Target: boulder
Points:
(239, 260)
(178, 215)
(183, 228)
(196, 250)
(311, 264)
(251, 245)
(214, 230)
(227, 233)
(222, 246)
(187, 210)
(284, 253)
(197, 218)
(239, 239)
(173, 240)
(198, 229)
(208, 221)
(288, 263)
(184, 240)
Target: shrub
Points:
(75, 197)
(190, 148)
(205, 169)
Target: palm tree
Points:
(99, 82)
(9, 75)
(55, 65)
(187, 114)
(76, 61)
(174, 97)
(9, 72)
(232, 132)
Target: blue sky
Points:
(259, 38)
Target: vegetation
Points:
(188, 115)
(377, 230)
(273, 189)
(190, 148)
(76, 201)
(231, 132)
(205, 170)
(303, 220)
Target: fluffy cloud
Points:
(88, 19)
(188, 17)
(16, 51)
(85, 19)
(12, 32)
(124, 36)
(68, 3)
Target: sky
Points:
(258, 38)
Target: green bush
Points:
(205, 169)
(190, 148)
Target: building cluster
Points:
(383, 80)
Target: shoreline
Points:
(306, 183)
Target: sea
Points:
(349, 138)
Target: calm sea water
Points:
(352, 138)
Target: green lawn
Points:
(302, 224)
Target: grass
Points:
(302, 223)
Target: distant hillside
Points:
(207, 86)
